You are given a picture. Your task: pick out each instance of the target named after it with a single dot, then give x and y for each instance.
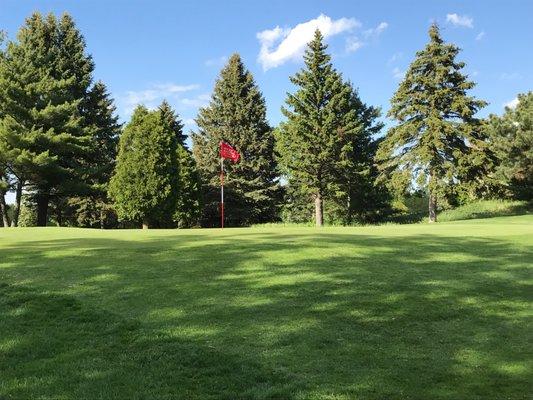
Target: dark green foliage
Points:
(298, 206)
(438, 144)
(187, 211)
(357, 197)
(44, 77)
(28, 213)
(511, 138)
(94, 209)
(310, 142)
(144, 186)
(188, 206)
(326, 146)
(237, 115)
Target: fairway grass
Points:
(440, 311)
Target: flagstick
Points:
(222, 192)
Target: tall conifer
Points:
(438, 142)
(315, 140)
(44, 78)
(237, 115)
(93, 208)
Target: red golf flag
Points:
(226, 151)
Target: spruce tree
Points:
(511, 137)
(315, 140)
(94, 208)
(438, 143)
(237, 115)
(357, 197)
(144, 186)
(44, 77)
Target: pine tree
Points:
(357, 197)
(43, 80)
(511, 137)
(438, 142)
(315, 141)
(4, 186)
(94, 208)
(144, 186)
(237, 115)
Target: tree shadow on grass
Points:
(110, 357)
(267, 316)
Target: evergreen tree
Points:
(4, 186)
(187, 210)
(357, 196)
(316, 139)
(188, 207)
(144, 186)
(237, 115)
(511, 137)
(94, 208)
(438, 142)
(44, 77)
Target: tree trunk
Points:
(3, 210)
(102, 226)
(59, 215)
(319, 218)
(432, 208)
(42, 208)
(18, 200)
(146, 224)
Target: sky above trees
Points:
(147, 51)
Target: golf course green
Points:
(422, 311)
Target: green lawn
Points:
(389, 312)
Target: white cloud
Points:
(281, 45)
(375, 32)
(512, 104)
(216, 62)
(460, 20)
(480, 35)
(398, 73)
(151, 97)
(198, 101)
(353, 44)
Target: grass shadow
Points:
(264, 315)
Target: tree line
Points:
(69, 161)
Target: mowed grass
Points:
(419, 311)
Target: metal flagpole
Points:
(222, 192)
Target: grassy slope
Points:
(486, 209)
(415, 311)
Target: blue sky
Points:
(149, 50)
